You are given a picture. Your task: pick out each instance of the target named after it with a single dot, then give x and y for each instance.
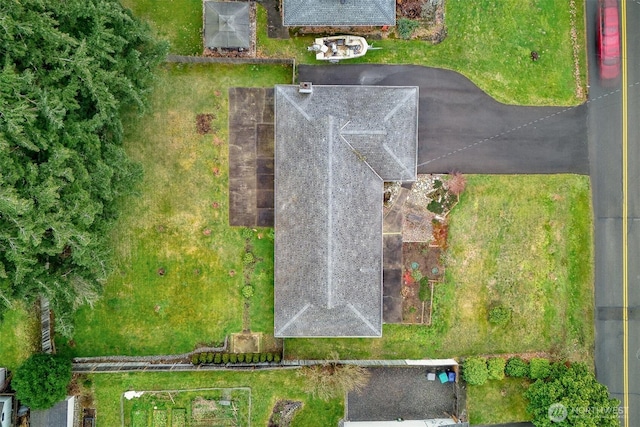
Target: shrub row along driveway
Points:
(462, 128)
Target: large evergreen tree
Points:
(572, 397)
(42, 380)
(67, 70)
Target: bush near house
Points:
(406, 27)
(516, 368)
(475, 371)
(495, 367)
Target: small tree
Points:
(496, 367)
(516, 368)
(42, 380)
(474, 370)
(456, 184)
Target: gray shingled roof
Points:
(5, 411)
(60, 415)
(334, 149)
(226, 24)
(337, 13)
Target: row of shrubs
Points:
(225, 358)
(477, 370)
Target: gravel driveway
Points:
(394, 393)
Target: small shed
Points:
(226, 25)
(61, 415)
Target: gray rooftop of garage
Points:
(339, 13)
(334, 148)
(226, 24)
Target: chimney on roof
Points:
(305, 87)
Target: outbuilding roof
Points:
(339, 12)
(226, 24)
(60, 415)
(334, 148)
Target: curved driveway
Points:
(461, 128)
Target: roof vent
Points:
(305, 87)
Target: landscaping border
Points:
(86, 365)
(184, 59)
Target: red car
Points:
(608, 39)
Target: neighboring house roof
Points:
(226, 24)
(339, 13)
(61, 415)
(5, 411)
(334, 148)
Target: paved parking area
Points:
(402, 392)
(251, 157)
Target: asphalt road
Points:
(605, 147)
(463, 129)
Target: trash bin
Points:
(452, 377)
(442, 376)
(431, 376)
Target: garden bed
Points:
(283, 413)
(421, 270)
(196, 408)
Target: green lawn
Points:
(178, 21)
(266, 388)
(489, 41)
(184, 405)
(19, 335)
(498, 402)
(520, 241)
(261, 304)
(174, 226)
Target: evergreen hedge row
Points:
(477, 370)
(218, 358)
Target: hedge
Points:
(516, 368)
(496, 366)
(539, 368)
(475, 371)
(232, 358)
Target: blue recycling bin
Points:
(452, 377)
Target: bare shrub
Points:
(411, 9)
(457, 183)
(332, 379)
